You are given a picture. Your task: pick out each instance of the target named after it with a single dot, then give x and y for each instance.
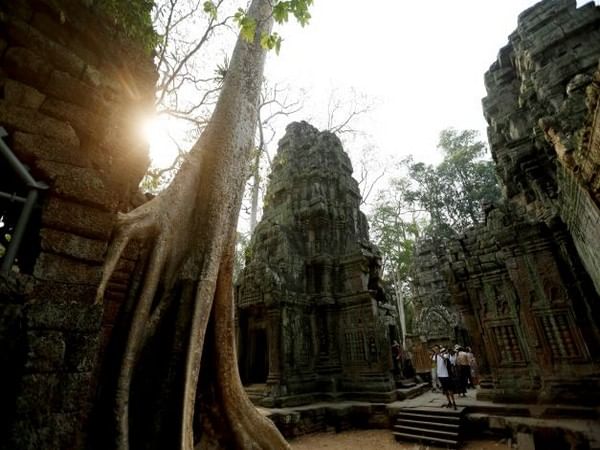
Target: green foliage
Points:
(271, 41)
(242, 253)
(395, 226)
(210, 8)
(246, 23)
(453, 192)
(281, 14)
(133, 17)
(438, 201)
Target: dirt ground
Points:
(375, 439)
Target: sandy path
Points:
(374, 439)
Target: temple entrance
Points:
(258, 362)
(253, 349)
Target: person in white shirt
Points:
(441, 356)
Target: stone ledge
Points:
(71, 317)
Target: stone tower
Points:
(527, 283)
(313, 320)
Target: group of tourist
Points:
(453, 371)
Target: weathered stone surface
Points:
(79, 184)
(86, 123)
(45, 351)
(68, 316)
(70, 89)
(24, 119)
(38, 392)
(23, 35)
(76, 218)
(527, 284)
(76, 392)
(311, 311)
(68, 244)
(53, 291)
(24, 65)
(66, 79)
(58, 268)
(31, 147)
(20, 94)
(81, 353)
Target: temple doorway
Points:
(253, 350)
(258, 363)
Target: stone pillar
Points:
(274, 343)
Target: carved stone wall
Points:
(436, 320)
(526, 284)
(71, 94)
(311, 283)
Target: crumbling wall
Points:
(72, 92)
(527, 282)
(312, 282)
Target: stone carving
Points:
(66, 84)
(312, 278)
(527, 283)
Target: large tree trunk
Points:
(180, 328)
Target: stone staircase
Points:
(437, 426)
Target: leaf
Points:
(247, 25)
(280, 12)
(210, 9)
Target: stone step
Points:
(414, 437)
(427, 432)
(425, 416)
(448, 426)
(411, 392)
(426, 424)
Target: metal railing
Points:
(28, 202)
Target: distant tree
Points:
(396, 223)
(437, 201)
(453, 192)
(177, 384)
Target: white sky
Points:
(422, 62)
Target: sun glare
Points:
(155, 131)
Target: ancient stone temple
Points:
(527, 284)
(314, 322)
(72, 90)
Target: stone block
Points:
(38, 392)
(51, 291)
(66, 87)
(79, 184)
(79, 219)
(24, 65)
(67, 430)
(23, 119)
(45, 351)
(27, 435)
(81, 353)
(30, 147)
(85, 123)
(69, 317)
(51, 28)
(24, 35)
(74, 392)
(22, 95)
(68, 244)
(65, 270)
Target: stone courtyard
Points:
(314, 319)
